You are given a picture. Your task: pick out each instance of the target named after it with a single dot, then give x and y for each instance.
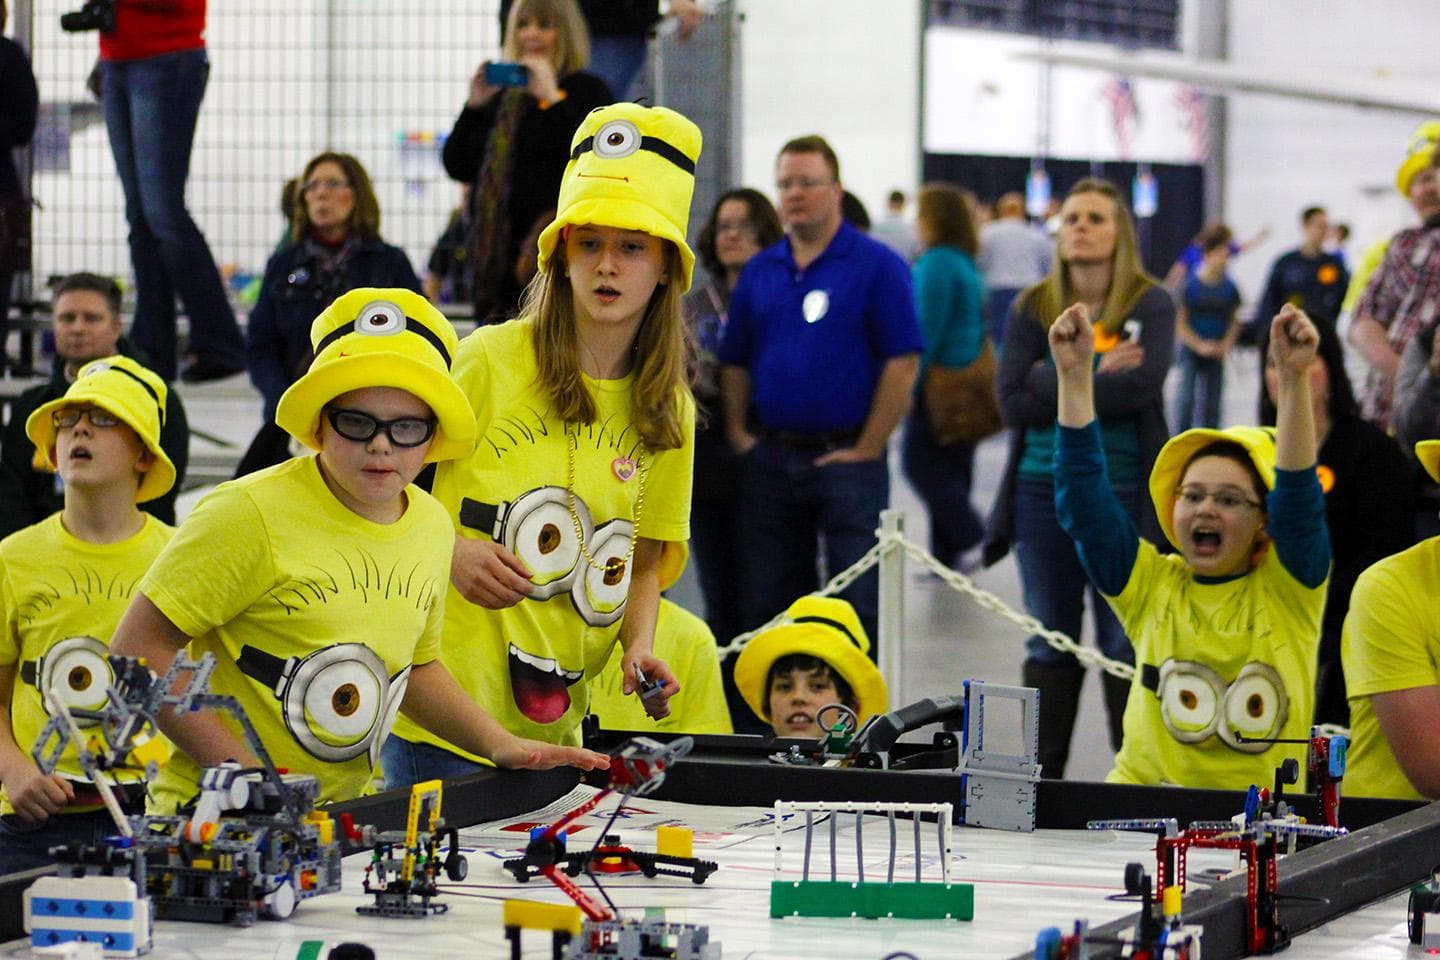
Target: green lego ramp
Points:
(837, 898)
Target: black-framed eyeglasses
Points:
(360, 426)
(68, 417)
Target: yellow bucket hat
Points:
(123, 387)
(373, 337)
(1169, 469)
(823, 627)
(1418, 154)
(1428, 453)
(631, 167)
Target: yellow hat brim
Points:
(752, 667)
(623, 215)
(1170, 465)
(40, 428)
(1428, 453)
(298, 412)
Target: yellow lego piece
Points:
(675, 841)
(153, 748)
(200, 864)
(1170, 901)
(324, 826)
(533, 915)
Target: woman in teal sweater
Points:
(949, 296)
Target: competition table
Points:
(723, 791)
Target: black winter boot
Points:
(1059, 687)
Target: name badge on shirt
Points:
(815, 305)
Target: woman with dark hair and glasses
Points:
(335, 247)
(1369, 495)
(742, 223)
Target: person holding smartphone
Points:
(512, 139)
(1097, 264)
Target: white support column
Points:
(892, 608)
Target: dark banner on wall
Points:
(1179, 188)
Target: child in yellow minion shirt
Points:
(1391, 651)
(319, 584)
(64, 584)
(687, 644)
(585, 452)
(1227, 629)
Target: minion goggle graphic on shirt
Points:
(337, 702)
(78, 668)
(537, 527)
(1196, 704)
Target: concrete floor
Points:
(946, 631)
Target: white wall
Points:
(1283, 155)
(846, 69)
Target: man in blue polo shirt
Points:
(820, 356)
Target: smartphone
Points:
(506, 74)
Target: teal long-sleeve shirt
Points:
(1107, 541)
(949, 297)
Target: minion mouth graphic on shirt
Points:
(540, 686)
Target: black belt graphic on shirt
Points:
(538, 528)
(78, 669)
(338, 702)
(1196, 704)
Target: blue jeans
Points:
(997, 310)
(941, 475)
(1208, 375)
(25, 844)
(616, 60)
(789, 505)
(151, 106)
(406, 763)
(1052, 581)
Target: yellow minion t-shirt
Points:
(686, 643)
(315, 616)
(63, 598)
(1228, 658)
(1391, 641)
(528, 664)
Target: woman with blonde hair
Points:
(583, 470)
(1098, 264)
(511, 139)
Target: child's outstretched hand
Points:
(1293, 340)
(519, 753)
(1072, 340)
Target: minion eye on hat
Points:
(1428, 453)
(131, 392)
(821, 627)
(1418, 154)
(372, 337)
(631, 167)
(1169, 469)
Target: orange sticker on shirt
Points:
(1327, 274)
(1326, 477)
(1105, 341)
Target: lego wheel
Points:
(1422, 902)
(1136, 882)
(457, 868)
(280, 902)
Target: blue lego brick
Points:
(86, 909)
